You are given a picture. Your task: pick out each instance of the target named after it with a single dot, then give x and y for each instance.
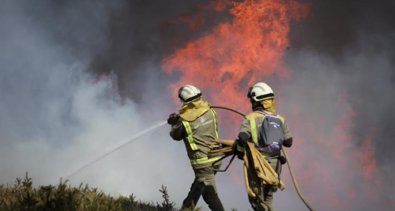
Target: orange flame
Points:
(237, 53)
(250, 48)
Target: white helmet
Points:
(260, 91)
(189, 93)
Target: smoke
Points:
(58, 111)
(77, 78)
(342, 64)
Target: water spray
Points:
(130, 140)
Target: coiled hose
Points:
(294, 181)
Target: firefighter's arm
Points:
(242, 138)
(287, 135)
(177, 129)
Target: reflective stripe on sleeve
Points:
(205, 160)
(189, 137)
(215, 123)
(254, 132)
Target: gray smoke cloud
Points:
(342, 63)
(77, 78)
(57, 112)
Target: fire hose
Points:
(294, 181)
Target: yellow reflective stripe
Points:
(254, 133)
(189, 137)
(215, 123)
(205, 160)
(281, 118)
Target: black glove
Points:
(287, 143)
(240, 155)
(242, 139)
(173, 118)
(282, 159)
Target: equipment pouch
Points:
(271, 134)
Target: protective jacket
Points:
(251, 125)
(197, 127)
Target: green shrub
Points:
(22, 196)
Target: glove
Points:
(282, 159)
(240, 155)
(288, 142)
(242, 139)
(173, 119)
(236, 149)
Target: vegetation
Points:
(22, 196)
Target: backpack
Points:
(271, 134)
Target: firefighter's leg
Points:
(191, 200)
(258, 202)
(255, 204)
(210, 195)
(256, 187)
(268, 190)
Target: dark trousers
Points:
(263, 201)
(204, 185)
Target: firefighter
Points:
(261, 97)
(196, 125)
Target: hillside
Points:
(24, 196)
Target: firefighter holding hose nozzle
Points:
(263, 133)
(196, 125)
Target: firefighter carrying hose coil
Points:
(196, 125)
(262, 133)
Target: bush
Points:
(22, 196)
